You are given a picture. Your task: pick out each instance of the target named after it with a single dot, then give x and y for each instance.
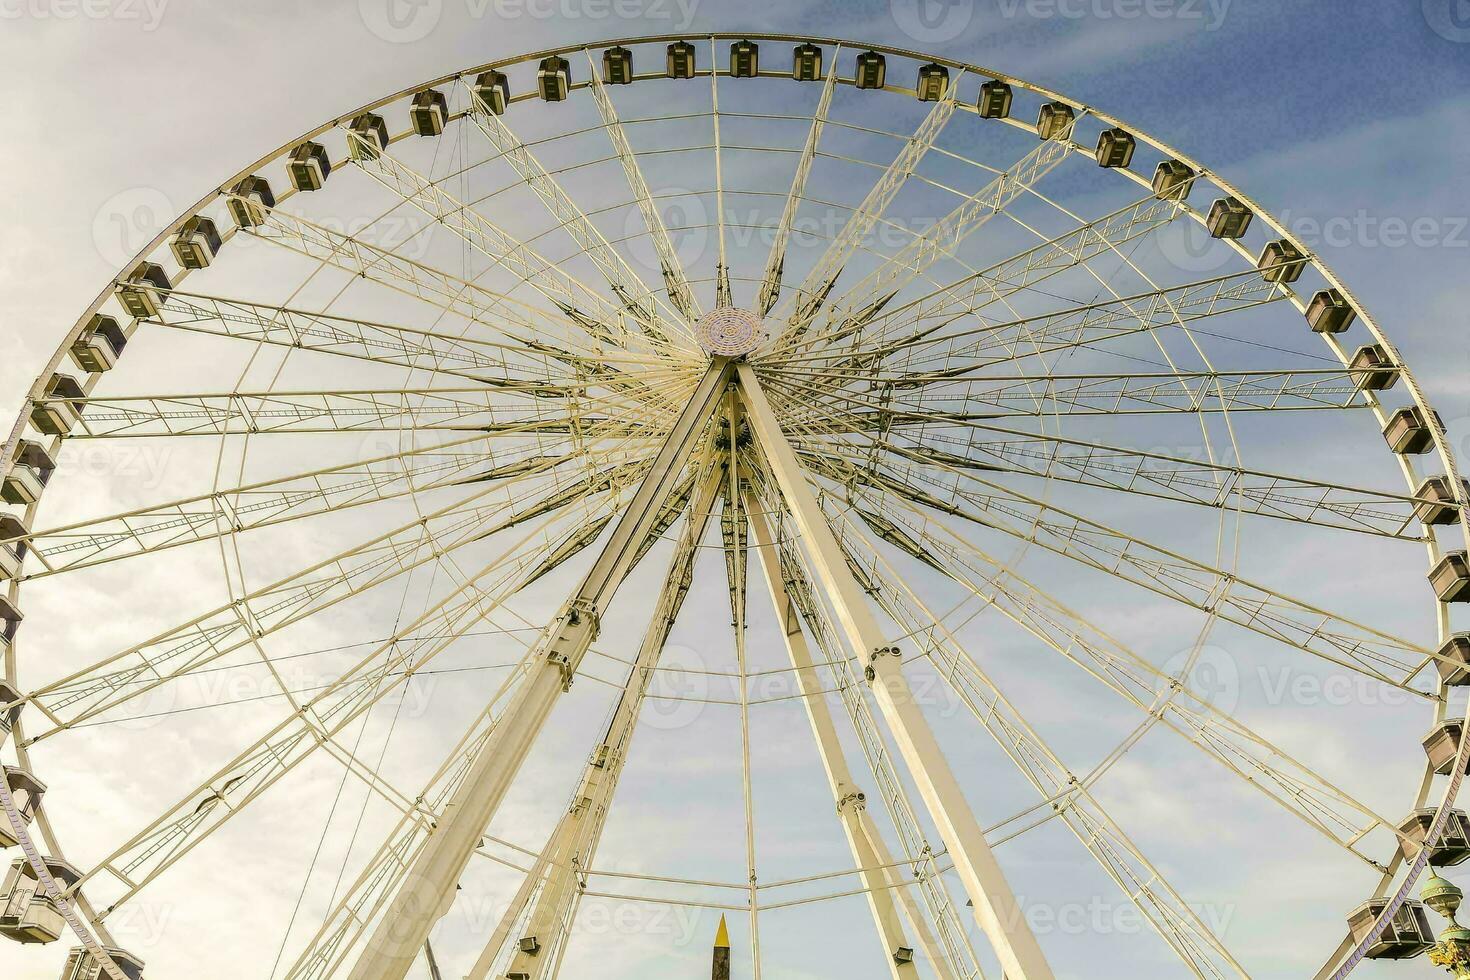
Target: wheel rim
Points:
(419, 406)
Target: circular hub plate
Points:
(730, 332)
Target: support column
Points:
(574, 841)
(995, 907)
(869, 851)
(428, 888)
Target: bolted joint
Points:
(854, 801)
(563, 663)
(871, 672)
(580, 611)
(578, 627)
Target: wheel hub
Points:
(730, 332)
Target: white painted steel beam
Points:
(429, 888)
(995, 907)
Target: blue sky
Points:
(1350, 120)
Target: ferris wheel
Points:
(985, 450)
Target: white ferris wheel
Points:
(926, 463)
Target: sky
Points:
(1349, 120)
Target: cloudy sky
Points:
(1350, 120)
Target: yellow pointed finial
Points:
(722, 937)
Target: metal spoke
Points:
(462, 462)
(676, 283)
(775, 272)
(316, 723)
(820, 281)
(1160, 697)
(848, 314)
(537, 408)
(975, 292)
(123, 677)
(1337, 639)
(635, 297)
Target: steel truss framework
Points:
(545, 407)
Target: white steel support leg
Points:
(574, 841)
(429, 887)
(995, 907)
(869, 850)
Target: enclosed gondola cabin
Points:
(1436, 503)
(1407, 432)
(1372, 369)
(429, 112)
(11, 705)
(492, 91)
(141, 294)
(1229, 219)
(60, 407)
(1281, 262)
(197, 243)
(1054, 121)
(1115, 148)
(1407, 933)
(554, 79)
(309, 166)
(681, 61)
(82, 965)
(250, 200)
(933, 82)
(745, 59)
(367, 137)
(26, 792)
(617, 66)
(13, 535)
(1450, 578)
(1453, 661)
(1441, 745)
(1329, 312)
(871, 70)
(10, 620)
(1453, 845)
(1173, 180)
(806, 63)
(29, 475)
(995, 100)
(27, 912)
